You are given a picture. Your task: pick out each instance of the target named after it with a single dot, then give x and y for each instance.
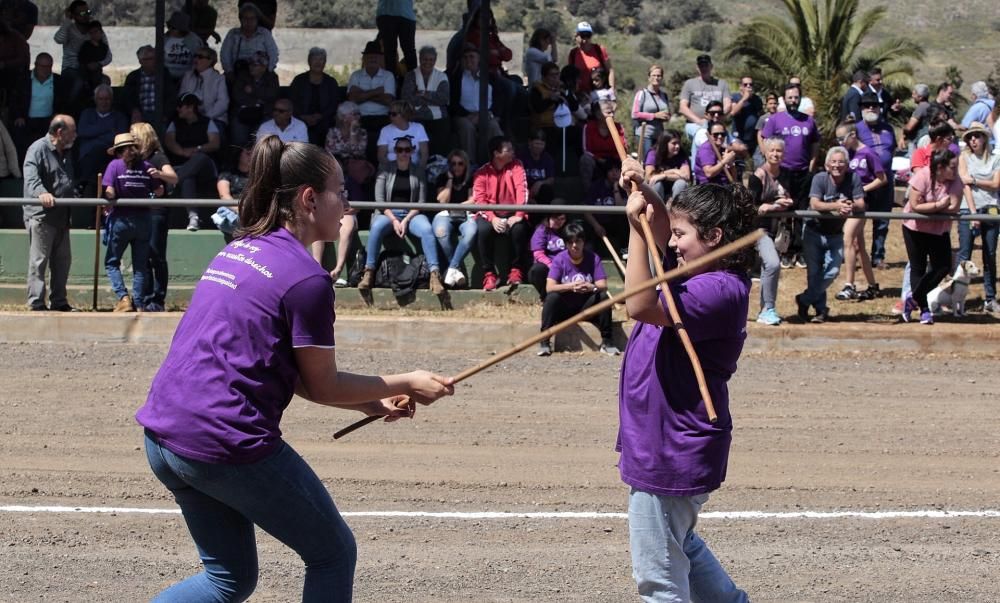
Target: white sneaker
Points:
(194, 224)
(454, 277)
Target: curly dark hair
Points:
(728, 207)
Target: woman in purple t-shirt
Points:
(260, 329)
(672, 456)
(667, 166)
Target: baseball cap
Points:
(584, 27)
(704, 59)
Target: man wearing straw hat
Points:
(128, 177)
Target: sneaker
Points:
(870, 293)
(153, 307)
(125, 304)
(800, 262)
(908, 307)
(436, 286)
(193, 224)
(489, 281)
(514, 277)
(926, 318)
(803, 308)
(786, 261)
(452, 277)
(610, 349)
(545, 349)
(64, 308)
(340, 283)
(821, 316)
(848, 292)
(769, 317)
(991, 306)
(367, 280)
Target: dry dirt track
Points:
(847, 432)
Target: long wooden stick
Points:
(705, 260)
(675, 317)
(614, 255)
(97, 240)
(718, 157)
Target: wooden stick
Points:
(97, 240)
(725, 168)
(614, 255)
(672, 312)
(705, 260)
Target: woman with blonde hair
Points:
(980, 174)
(148, 145)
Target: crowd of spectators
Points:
(406, 130)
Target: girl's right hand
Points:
(632, 171)
(426, 387)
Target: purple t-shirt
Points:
(537, 169)
(705, 157)
(865, 163)
(589, 270)
(230, 371)
(881, 139)
(546, 240)
(602, 193)
(671, 164)
(799, 133)
(668, 446)
(130, 183)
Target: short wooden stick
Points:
(705, 260)
(614, 255)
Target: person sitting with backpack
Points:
(576, 281)
(401, 182)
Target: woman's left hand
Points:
(400, 228)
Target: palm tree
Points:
(821, 42)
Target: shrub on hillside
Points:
(650, 45)
(703, 37)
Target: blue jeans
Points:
(444, 228)
(988, 232)
(670, 563)
(124, 231)
(880, 199)
(419, 226)
(824, 255)
(282, 495)
(770, 270)
(156, 285)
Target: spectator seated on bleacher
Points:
(576, 282)
(667, 167)
(284, 125)
(180, 45)
(455, 186)
(209, 85)
(347, 141)
(10, 175)
(373, 89)
(190, 140)
(546, 243)
(465, 103)
(246, 41)
(598, 149)
(315, 96)
(252, 99)
(95, 132)
(401, 182)
(545, 96)
(42, 95)
(502, 181)
(606, 192)
(232, 180)
(428, 91)
(400, 126)
(138, 95)
(539, 167)
(203, 19)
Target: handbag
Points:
(782, 236)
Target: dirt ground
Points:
(814, 432)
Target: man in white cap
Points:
(587, 56)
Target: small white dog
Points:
(949, 296)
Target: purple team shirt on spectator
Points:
(547, 240)
(130, 183)
(799, 132)
(705, 157)
(881, 139)
(668, 446)
(602, 193)
(538, 169)
(231, 370)
(672, 163)
(589, 270)
(865, 163)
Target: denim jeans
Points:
(128, 231)
(770, 270)
(444, 229)
(156, 284)
(988, 232)
(824, 255)
(880, 199)
(419, 227)
(670, 563)
(281, 494)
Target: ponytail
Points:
(278, 172)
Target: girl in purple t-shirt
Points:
(672, 457)
(260, 329)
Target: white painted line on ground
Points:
(928, 514)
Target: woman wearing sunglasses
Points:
(400, 126)
(455, 186)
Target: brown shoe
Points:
(125, 304)
(367, 279)
(437, 287)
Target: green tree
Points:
(650, 45)
(703, 37)
(823, 42)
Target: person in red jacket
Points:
(598, 149)
(502, 181)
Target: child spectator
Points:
(128, 177)
(576, 281)
(539, 167)
(587, 55)
(91, 55)
(455, 186)
(598, 149)
(607, 192)
(546, 243)
(501, 182)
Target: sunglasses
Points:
(746, 84)
(718, 135)
(403, 150)
(716, 113)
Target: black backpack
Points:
(415, 275)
